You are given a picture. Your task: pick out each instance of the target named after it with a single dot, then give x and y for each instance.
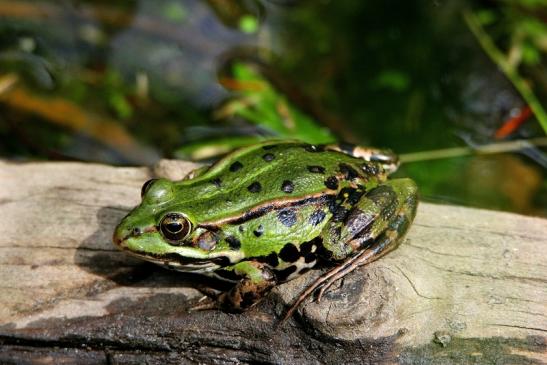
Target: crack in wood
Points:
(516, 326)
(484, 275)
(77, 343)
(481, 230)
(436, 252)
(414, 286)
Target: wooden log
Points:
(466, 286)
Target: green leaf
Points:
(260, 104)
(530, 54)
(393, 79)
(485, 17)
(174, 12)
(248, 24)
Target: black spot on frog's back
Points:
(349, 172)
(340, 214)
(371, 168)
(236, 166)
(268, 157)
(317, 217)
(316, 169)
(255, 187)
(287, 186)
(233, 242)
(258, 231)
(331, 182)
(287, 217)
(350, 195)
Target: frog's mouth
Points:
(178, 262)
(149, 247)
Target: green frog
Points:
(267, 213)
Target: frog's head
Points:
(163, 232)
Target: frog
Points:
(268, 213)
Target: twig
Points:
(500, 147)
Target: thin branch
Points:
(488, 149)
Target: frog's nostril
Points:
(116, 238)
(136, 231)
(120, 234)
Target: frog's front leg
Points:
(257, 281)
(372, 228)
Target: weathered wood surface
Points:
(467, 286)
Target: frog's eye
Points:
(147, 186)
(175, 227)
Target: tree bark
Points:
(466, 286)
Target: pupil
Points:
(174, 227)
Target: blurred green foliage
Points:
(256, 101)
(194, 79)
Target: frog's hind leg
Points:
(376, 225)
(372, 229)
(386, 158)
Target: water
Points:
(134, 82)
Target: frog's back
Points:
(266, 174)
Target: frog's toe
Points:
(204, 303)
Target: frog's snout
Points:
(122, 233)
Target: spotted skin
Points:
(289, 253)
(236, 166)
(366, 237)
(371, 216)
(268, 157)
(255, 187)
(268, 213)
(287, 186)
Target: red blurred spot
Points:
(512, 124)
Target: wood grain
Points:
(466, 286)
